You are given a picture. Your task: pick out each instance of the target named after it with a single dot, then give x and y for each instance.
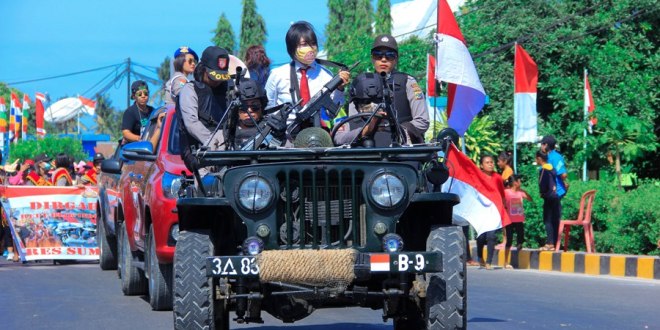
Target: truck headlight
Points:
(387, 190)
(255, 193)
(171, 183)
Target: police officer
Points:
(366, 95)
(408, 99)
(202, 104)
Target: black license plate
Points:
(405, 262)
(232, 266)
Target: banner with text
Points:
(52, 223)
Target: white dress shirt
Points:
(278, 86)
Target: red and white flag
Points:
(26, 115)
(526, 77)
(589, 105)
(430, 76)
(40, 98)
(481, 200)
(88, 104)
(465, 94)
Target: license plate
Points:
(405, 262)
(232, 266)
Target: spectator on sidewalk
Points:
(514, 196)
(551, 206)
(548, 144)
(504, 162)
(488, 238)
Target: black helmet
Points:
(98, 157)
(367, 86)
(250, 89)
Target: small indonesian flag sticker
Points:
(380, 262)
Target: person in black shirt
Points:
(136, 117)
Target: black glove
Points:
(277, 124)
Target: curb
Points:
(596, 264)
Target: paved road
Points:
(81, 296)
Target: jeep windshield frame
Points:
(417, 153)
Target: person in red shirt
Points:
(488, 238)
(514, 196)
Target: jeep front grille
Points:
(321, 208)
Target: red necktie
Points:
(304, 87)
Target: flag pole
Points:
(515, 153)
(584, 166)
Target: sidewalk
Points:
(643, 267)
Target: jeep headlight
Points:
(255, 193)
(387, 190)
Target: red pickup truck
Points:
(148, 227)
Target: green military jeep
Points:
(289, 231)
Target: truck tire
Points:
(107, 247)
(160, 277)
(194, 300)
(446, 294)
(133, 281)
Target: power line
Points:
(64, 75)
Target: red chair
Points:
(584, 220)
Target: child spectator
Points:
(548, 191)
(504, 162)
(514, 196)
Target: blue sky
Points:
(44, 38)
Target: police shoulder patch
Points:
(419, 95)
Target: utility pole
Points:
(128, 84)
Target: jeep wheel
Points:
(160, 277)
(133, 281)
(107, 247)
(446, 295)
(194, 300)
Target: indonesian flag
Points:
(482, 202)
(589, 105)
(90, 105)
(40, 98)
(466, 95)
(14, 109)
(26, 115)
(430, 76)
(526, 76)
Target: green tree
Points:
(108, 119)
(348, 32)
(164, 73)
(253, 27)
(617, 42)
(383, 18)
(49, 145)
(224, 34)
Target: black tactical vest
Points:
(397, 82)
(211, 105)
(243, 135)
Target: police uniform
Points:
(200, 107)
(173, 87)
(408, 102)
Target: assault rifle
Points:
(300, 113)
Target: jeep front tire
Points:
(194, 299)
